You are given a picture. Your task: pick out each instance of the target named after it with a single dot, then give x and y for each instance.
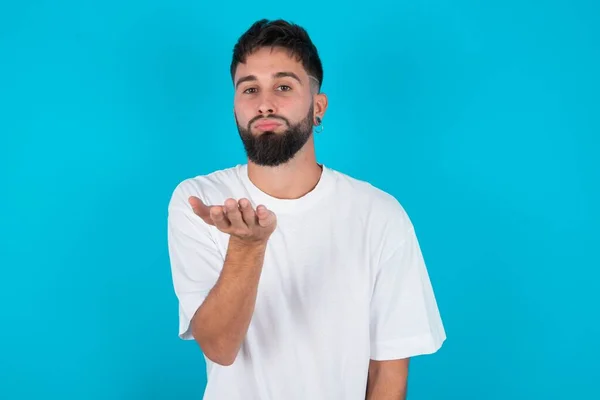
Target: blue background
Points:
(482, 118)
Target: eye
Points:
(284, 88)
(249, 90)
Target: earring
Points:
(319, 125)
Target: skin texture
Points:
(221, 322)
(269, 86)
(272, 95)
(387, 380)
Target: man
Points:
(297, 281)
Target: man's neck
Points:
(288, 181)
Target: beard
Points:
(273, 149)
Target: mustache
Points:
(272, 116)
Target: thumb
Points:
(200, 209)
(265, 216)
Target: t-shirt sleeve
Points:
(194, 257)
(405, 320)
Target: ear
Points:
(320, 105)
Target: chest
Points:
(317, 268)
(316, 264)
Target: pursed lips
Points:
(267, 125)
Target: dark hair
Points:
(279, 33)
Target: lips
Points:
(267, 125)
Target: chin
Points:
(261, 133)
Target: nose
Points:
(266, 105)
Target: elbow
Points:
(223, 358)
(216, 352)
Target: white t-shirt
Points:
(343, 282)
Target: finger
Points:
(265, 217)
(197, 205)
(248, 214)
(232, 212)
(218, 218)
(200, 209)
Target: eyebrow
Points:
(283, 74)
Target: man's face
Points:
(273, 106)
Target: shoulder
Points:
(379, 205)
(207, 186)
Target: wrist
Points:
(248, 244)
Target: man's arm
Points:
(387, 380)
(404, 319)
(221, 322)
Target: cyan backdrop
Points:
(481, 117)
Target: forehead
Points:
(267, 61)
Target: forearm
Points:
(387, 380)
(221, 323)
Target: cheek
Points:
(242, 112)
(287, 102)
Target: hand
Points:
(237, 218)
